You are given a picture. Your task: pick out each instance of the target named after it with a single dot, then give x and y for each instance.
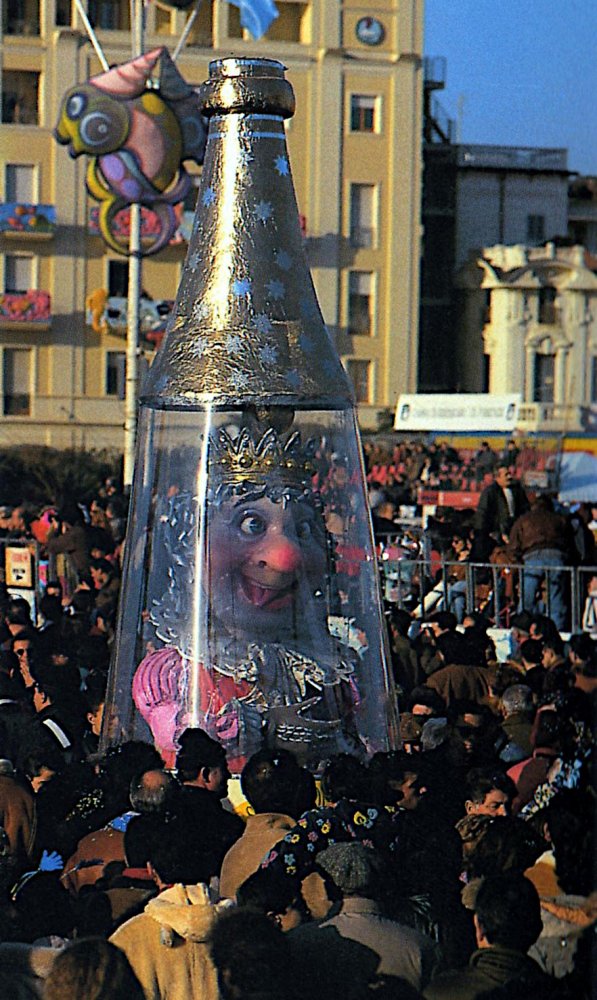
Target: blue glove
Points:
(51, 862)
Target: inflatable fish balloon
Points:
(138, 123)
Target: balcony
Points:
(150, 225)
(25, 310)
(33, 222)
(112, 319)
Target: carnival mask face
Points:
(266, 562)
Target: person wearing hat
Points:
(353, 875)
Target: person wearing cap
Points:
(203, 772)
(354, 876)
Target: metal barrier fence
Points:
(421, 586)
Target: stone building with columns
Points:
(528, 324)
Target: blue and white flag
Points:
(256, 15)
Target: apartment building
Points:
(355, 148)
(528, 325)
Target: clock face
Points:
(370, 31)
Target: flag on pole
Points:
(256, 15)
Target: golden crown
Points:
(268, 459)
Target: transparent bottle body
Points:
(251, 610)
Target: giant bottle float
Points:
(251, 603)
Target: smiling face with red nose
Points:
(266, 561)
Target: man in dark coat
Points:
(203, 772)
(500, 504)
(507, 917)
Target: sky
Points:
(524, 72)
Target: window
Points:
(535, 229)
(291, 25)
(18, 274)
(16, 382)
(359, 373)
(20, 98)
(548, 310)
(20, 17)
(202, 31)
(364, 113)
(486, 307)
(63, 13)
(19, 184)
(163, 21)
(360, 303)
(109, 15)
(363, 230)
(543, 390)
(118, 279)
(115, 373)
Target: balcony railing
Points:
(24, 309)
(154, 314)
(150, 225)
(32, 221)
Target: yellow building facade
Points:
(355, 149)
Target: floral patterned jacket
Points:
(319, 828)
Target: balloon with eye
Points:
(137, 122)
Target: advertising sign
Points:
(19, 566)
(456, 412)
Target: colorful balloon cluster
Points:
(138, 122)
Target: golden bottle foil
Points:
(246, 328)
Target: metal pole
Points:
(186, 32)
(92, 35)
(134, 291)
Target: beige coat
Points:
(166, 945)
(262, 832)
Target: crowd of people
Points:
(508, 527)
(402, 468)
(460, 866)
